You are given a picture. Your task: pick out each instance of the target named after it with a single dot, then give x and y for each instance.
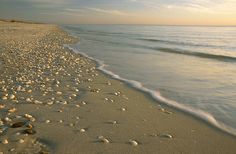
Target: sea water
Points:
(192, 68)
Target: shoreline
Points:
(90, 113)
(195, 113)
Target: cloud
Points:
(209, 6)
(107, 11)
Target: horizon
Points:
(125, 12)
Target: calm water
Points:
(195, 67)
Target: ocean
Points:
(192, 68)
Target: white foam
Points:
(207, 117)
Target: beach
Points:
(56, 101)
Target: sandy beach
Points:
(56, 101)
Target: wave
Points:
(159, 98)
(224, 58)
(181, 43)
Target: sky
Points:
(151, 12)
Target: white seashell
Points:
(12, 110)
(38, 102)
(28, 100)
(133, 142)
(12, 96)
(103, 139)
(59, 93)
(5, 141)
(47, 121)
(109, 83)
(2, 106)
(166, 136)
(7, 119)
(71, 124)
(21, 141)
(123, 109)
(4, 98)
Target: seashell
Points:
(166, 136)
(7, 119)
(103, 139)
(29, 131)
(133, 142)
(4, 98)
(5, 141)
(60, 121)
(83, 102)
(71, 124)
(47, 121)
(12, 96)
(30, 126)
(2, 106)
(12, 110)
(123, 109)
(59, 93)
(50, 103)
(12, 149)
(38, 102)
(21, 141)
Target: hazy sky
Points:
(174, 12)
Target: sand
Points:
(56, 101)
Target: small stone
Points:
(60, 121)
(82, 130)
(77, 105)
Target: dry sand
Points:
(56, 101)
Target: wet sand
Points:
(56, 101)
